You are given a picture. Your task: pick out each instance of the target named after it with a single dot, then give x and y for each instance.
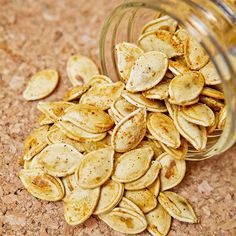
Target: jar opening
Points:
(206, 23)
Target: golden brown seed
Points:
(177, 206)
(186, 87)
(129, 132)
(194, 53)
(161, 41)
(163, 129)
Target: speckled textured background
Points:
(43, 33)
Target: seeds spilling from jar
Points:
(115, 149)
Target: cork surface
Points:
(38, 34)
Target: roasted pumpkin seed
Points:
(178, 153)
(95, 168)
(102, 95)
(160, 91)
(110, 196)
(60, 159)
(99, 79)
(42, 185)
(127, 54)
(57, 136)
(132, 165)
(139, 100)
(35, 142)
(163, 129)
(199, 114)
(147, 179)
(161, 41)
(155, 187)
(88, 118)
(213, 103)
(213, 93)
(53, 110)
(162, 23)
(172, 172)
(76, 133)
(80, 205)
(41, 85)
(127, 204)
(148, 70)
(210, 74)
(222, 118)
(75, 93)
(195, 134)
(122, 108)
(177, 206)
(194, 54)
(143, 198)
(125, 221)
(185, 88)
(80, 69)
(129, 132)
(159, 221)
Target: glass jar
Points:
(211, 23)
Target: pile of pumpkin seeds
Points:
(115, 149)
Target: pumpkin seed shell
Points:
(194, 53)
(160, 91)
(199, 114)
(41, 85)
(132, 165)
(59, 159)
(88, 118)
(102, 95)
(143, 198)
(172, 172)
(159, 221)
(139, 100)
(147, 179)
(35, 142)
(129, 132)
(147, 71)
(80, 69)
(42, 185)
(161, 41)
(127, 54)
(95, 168)
(162, 23)
(110, 196)
(80, 205)
(177, 206)
(125, 221)
(163, 129)
(186, 87)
